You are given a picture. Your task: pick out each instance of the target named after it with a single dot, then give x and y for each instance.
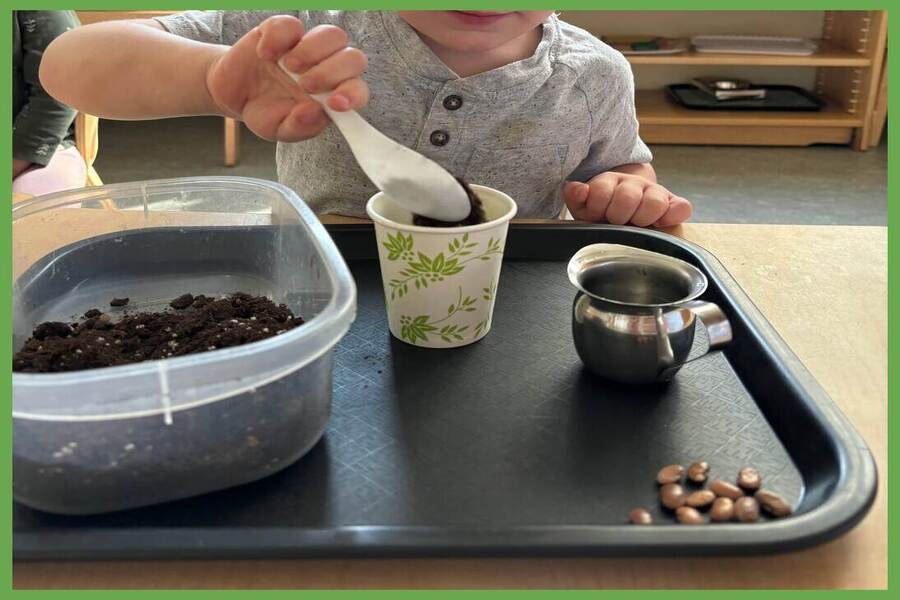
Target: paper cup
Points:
(440, 283)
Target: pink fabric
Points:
(66, 171)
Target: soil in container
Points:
(194, 324)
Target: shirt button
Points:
(439, 137)
(452, 102)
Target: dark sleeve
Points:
(43, 122)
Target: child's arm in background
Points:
(615, 183)
(42, 122)
(136, 70)
(626, 194)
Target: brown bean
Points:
(773, 504)
(669, 474)
(672, 496)
(698, 472)
(722, 510)
(688, 516)
(700, 499)
(749, 479)
(640, 516)
(746, 509)
(723, 489)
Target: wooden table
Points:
(823, 288)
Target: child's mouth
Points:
(478, 17)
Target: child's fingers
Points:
(625, 201)
(653, 206)
(345, 64)
(679, 211)
(277, 36)
(318, 44)
(601, 193)
(575, 195)
(264, 116)
(352, 94)
(306, 120)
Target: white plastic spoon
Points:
(413, 181)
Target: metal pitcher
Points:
(634, 315)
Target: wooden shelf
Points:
(665, 122)
(655, 108)
(828, 55)
(87, 17)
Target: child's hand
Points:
(243, 84)
(619, 198)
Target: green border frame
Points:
(634, 5)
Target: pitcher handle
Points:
(718, 328)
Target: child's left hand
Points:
(620, 198)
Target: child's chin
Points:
(475, 41)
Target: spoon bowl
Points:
(408, 178)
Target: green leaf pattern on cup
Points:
(422, 269)
(480, 327)
(399, 246)
(420, 327)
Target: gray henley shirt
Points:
(565, 113)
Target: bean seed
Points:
(700, 499)
(722, 510)
(670, 474)
(746, 509)
(672, 496)
(640, 516)
(749, 479)
(698, 472)
(688, 516)
(773, 504)
(723, 489)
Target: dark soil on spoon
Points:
(476, 215)
(196, 324)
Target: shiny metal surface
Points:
(635, 311)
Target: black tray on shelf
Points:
(778, 98)
(507, 446)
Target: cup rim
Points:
(630, 252)
(505, 217)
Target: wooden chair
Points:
(232, 141)
(87, 141)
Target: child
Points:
(521, 101)
(45, 159)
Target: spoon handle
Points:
(351, 125)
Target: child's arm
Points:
(42, 122)
(615, 183)
(136, 70)
(626, 194)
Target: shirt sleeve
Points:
(219, 26)
(43, 122)
(615, 139)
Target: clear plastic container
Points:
(126, 436)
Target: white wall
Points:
(688, 23)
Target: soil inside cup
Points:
(476, 214)
(194, 324)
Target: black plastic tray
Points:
(507, 446)
(778, 98)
